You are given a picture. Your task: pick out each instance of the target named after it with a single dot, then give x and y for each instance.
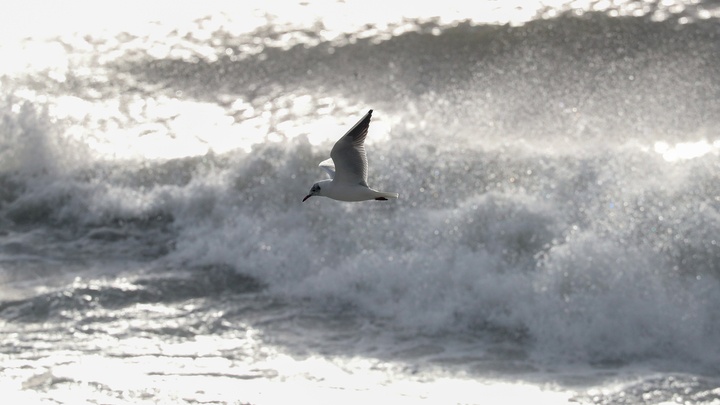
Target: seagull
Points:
(348, 167)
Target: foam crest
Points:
(30, 144)
(533, 206)
(577, 279)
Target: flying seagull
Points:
(348, 167)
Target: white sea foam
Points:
(559, 183)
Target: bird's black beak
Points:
(306, 197)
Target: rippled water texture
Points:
(555, 240)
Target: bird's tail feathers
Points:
(388, 195)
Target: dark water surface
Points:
(555, 240)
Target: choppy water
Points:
(556, 239)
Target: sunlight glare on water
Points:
(172, 126)
(686, 150)
(556, 229)
(180, 369)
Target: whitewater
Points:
(556, 239)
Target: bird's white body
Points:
(348, 167)
(350, 192)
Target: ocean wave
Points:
(534, 203)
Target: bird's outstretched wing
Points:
(351, 164)
(329, 166)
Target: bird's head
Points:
(314, 190)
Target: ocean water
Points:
(555, 240)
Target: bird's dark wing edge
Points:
(359, 131)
